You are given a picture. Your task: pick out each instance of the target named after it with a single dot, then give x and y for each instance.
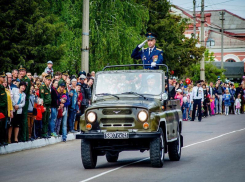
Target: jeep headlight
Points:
(91, 117)
(142, 116)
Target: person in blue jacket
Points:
(227, 101)
(151, 55)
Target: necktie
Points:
(150, 51)
(197, 91)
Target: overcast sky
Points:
(234, 6)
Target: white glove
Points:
(153, 64)
(142, 44)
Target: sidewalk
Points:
(15, 147)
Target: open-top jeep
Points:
(130, 111)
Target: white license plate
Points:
(116, 135)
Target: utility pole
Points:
(85, 37)
(202, 64)
(222, 13)
(194, 17)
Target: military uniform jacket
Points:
(45, 94)
(28, 87)
(3, 101)
(143, 54)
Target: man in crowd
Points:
(3, 109)
(15, 74)
(211, 89)
(151, 55)
(24, 135)
(73, 107)
(197, 98)
(84, 93)
(9, 78)
(63, 91)
(220, 98)
(45, 94)
(29, 75)
(64, 78)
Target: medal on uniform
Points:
(42, 91)
(155, 58)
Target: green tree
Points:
(179, 51)
(27, 35)
(211, 71)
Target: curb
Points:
(15, 147)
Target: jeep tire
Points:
(174, 149)
(89, 156)
(112, 156)
(157, 150)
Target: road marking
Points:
(101, 174)
(213, 138)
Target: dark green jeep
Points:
(130, 111)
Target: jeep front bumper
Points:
(132, 135)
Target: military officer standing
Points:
(3, 109)
(24, 136)
(196, 99)
(150, 55)
(64, 78)
(45, 94)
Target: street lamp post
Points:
(222, 13)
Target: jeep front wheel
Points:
(157, 150)
(89, 156)
(174, 149)
(112, 156)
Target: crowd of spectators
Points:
(220, 98)
(34, 107)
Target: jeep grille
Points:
(117, 122)
(117, 111)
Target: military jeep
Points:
(130, 111)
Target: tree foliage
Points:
(35, 31)
(27, 35)
(211, 71)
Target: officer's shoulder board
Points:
(159, 49)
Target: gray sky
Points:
(234, 6)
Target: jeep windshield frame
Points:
(121, 82)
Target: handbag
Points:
(34, 112)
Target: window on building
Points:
(230, 60)
(210, 42)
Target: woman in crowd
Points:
(10, 109)
(18, 102)
(31, 116)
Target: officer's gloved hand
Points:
(153, 64)
(142, 44)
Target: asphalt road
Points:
(214, 151)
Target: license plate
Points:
(116, 135)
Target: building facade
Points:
(233, 37)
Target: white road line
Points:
(101, 174)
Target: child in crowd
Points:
(227, 101)
(179, 96)
(212, 105)
(185, 107)
(61, 112)
(38, 121)
(238, 104)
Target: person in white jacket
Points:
(18, 100)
